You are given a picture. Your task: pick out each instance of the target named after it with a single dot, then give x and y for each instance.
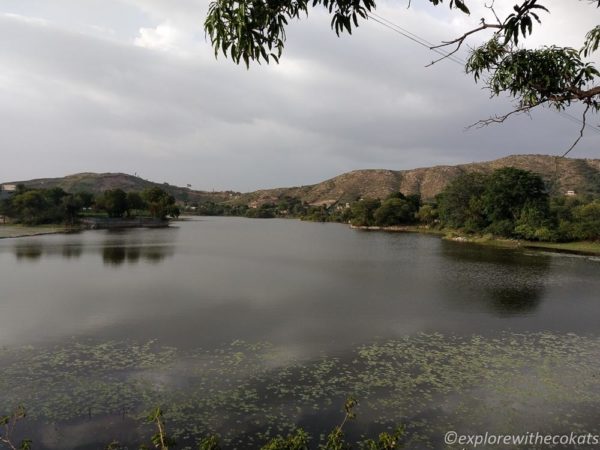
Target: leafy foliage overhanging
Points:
(255, 30)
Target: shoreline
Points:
(401, 229)
(14, 231)
(580, 248)
(19, 231)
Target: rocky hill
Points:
(99, 182)
(560, 174)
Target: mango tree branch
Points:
(587, 108)
(499, 119)
(460, 40)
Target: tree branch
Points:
(500, 119)
(491, 8)
(583, 95)
(460, 40)
(580, 131)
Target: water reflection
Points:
(515, 300)
(116, 256)
(28, 251)
(513, 383)
(71, 251)
(503, 281)
(115, 249)
(309, 287)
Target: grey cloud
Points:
(73, 101)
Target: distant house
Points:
(570, 194)
(341, 207)
(6, 190)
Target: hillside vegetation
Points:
(97, 183)
(560, 175)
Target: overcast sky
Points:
(133, 86)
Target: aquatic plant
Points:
(250, 394)
(297, 440)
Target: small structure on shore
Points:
(6, 190)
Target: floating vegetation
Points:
(248, 393)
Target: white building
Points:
(8, 187)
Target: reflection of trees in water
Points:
(71, 251)
(479, 253)
(516, 300)
(506, 282)
(28, 251)
(116, 256)
(111, 254)
(36, 250)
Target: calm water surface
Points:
(309, 291)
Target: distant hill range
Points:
(100, 182)
(560, 174)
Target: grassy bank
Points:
(403, 229)
(578, 247)
(13, 231)
(588, 248)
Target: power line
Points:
(413, 37)
(455, 59)
(579, 121)
(395, 25)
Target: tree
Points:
(30, 206)
(71, 205)
(507, 202)
(587, 221)
(363, 212)
(428, 214)
(160, 203)
(535, 223)
(460, 203)
(509, 190)
(6, 208)
(254, 30)
(396, 211)
(135, 202)
(114, 202)
(264, 211)
(55, 195)
(173, 211)
(86, 199)
(37, 206)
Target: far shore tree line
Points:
(508, 203)
(54, 205)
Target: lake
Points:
(246, 328)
